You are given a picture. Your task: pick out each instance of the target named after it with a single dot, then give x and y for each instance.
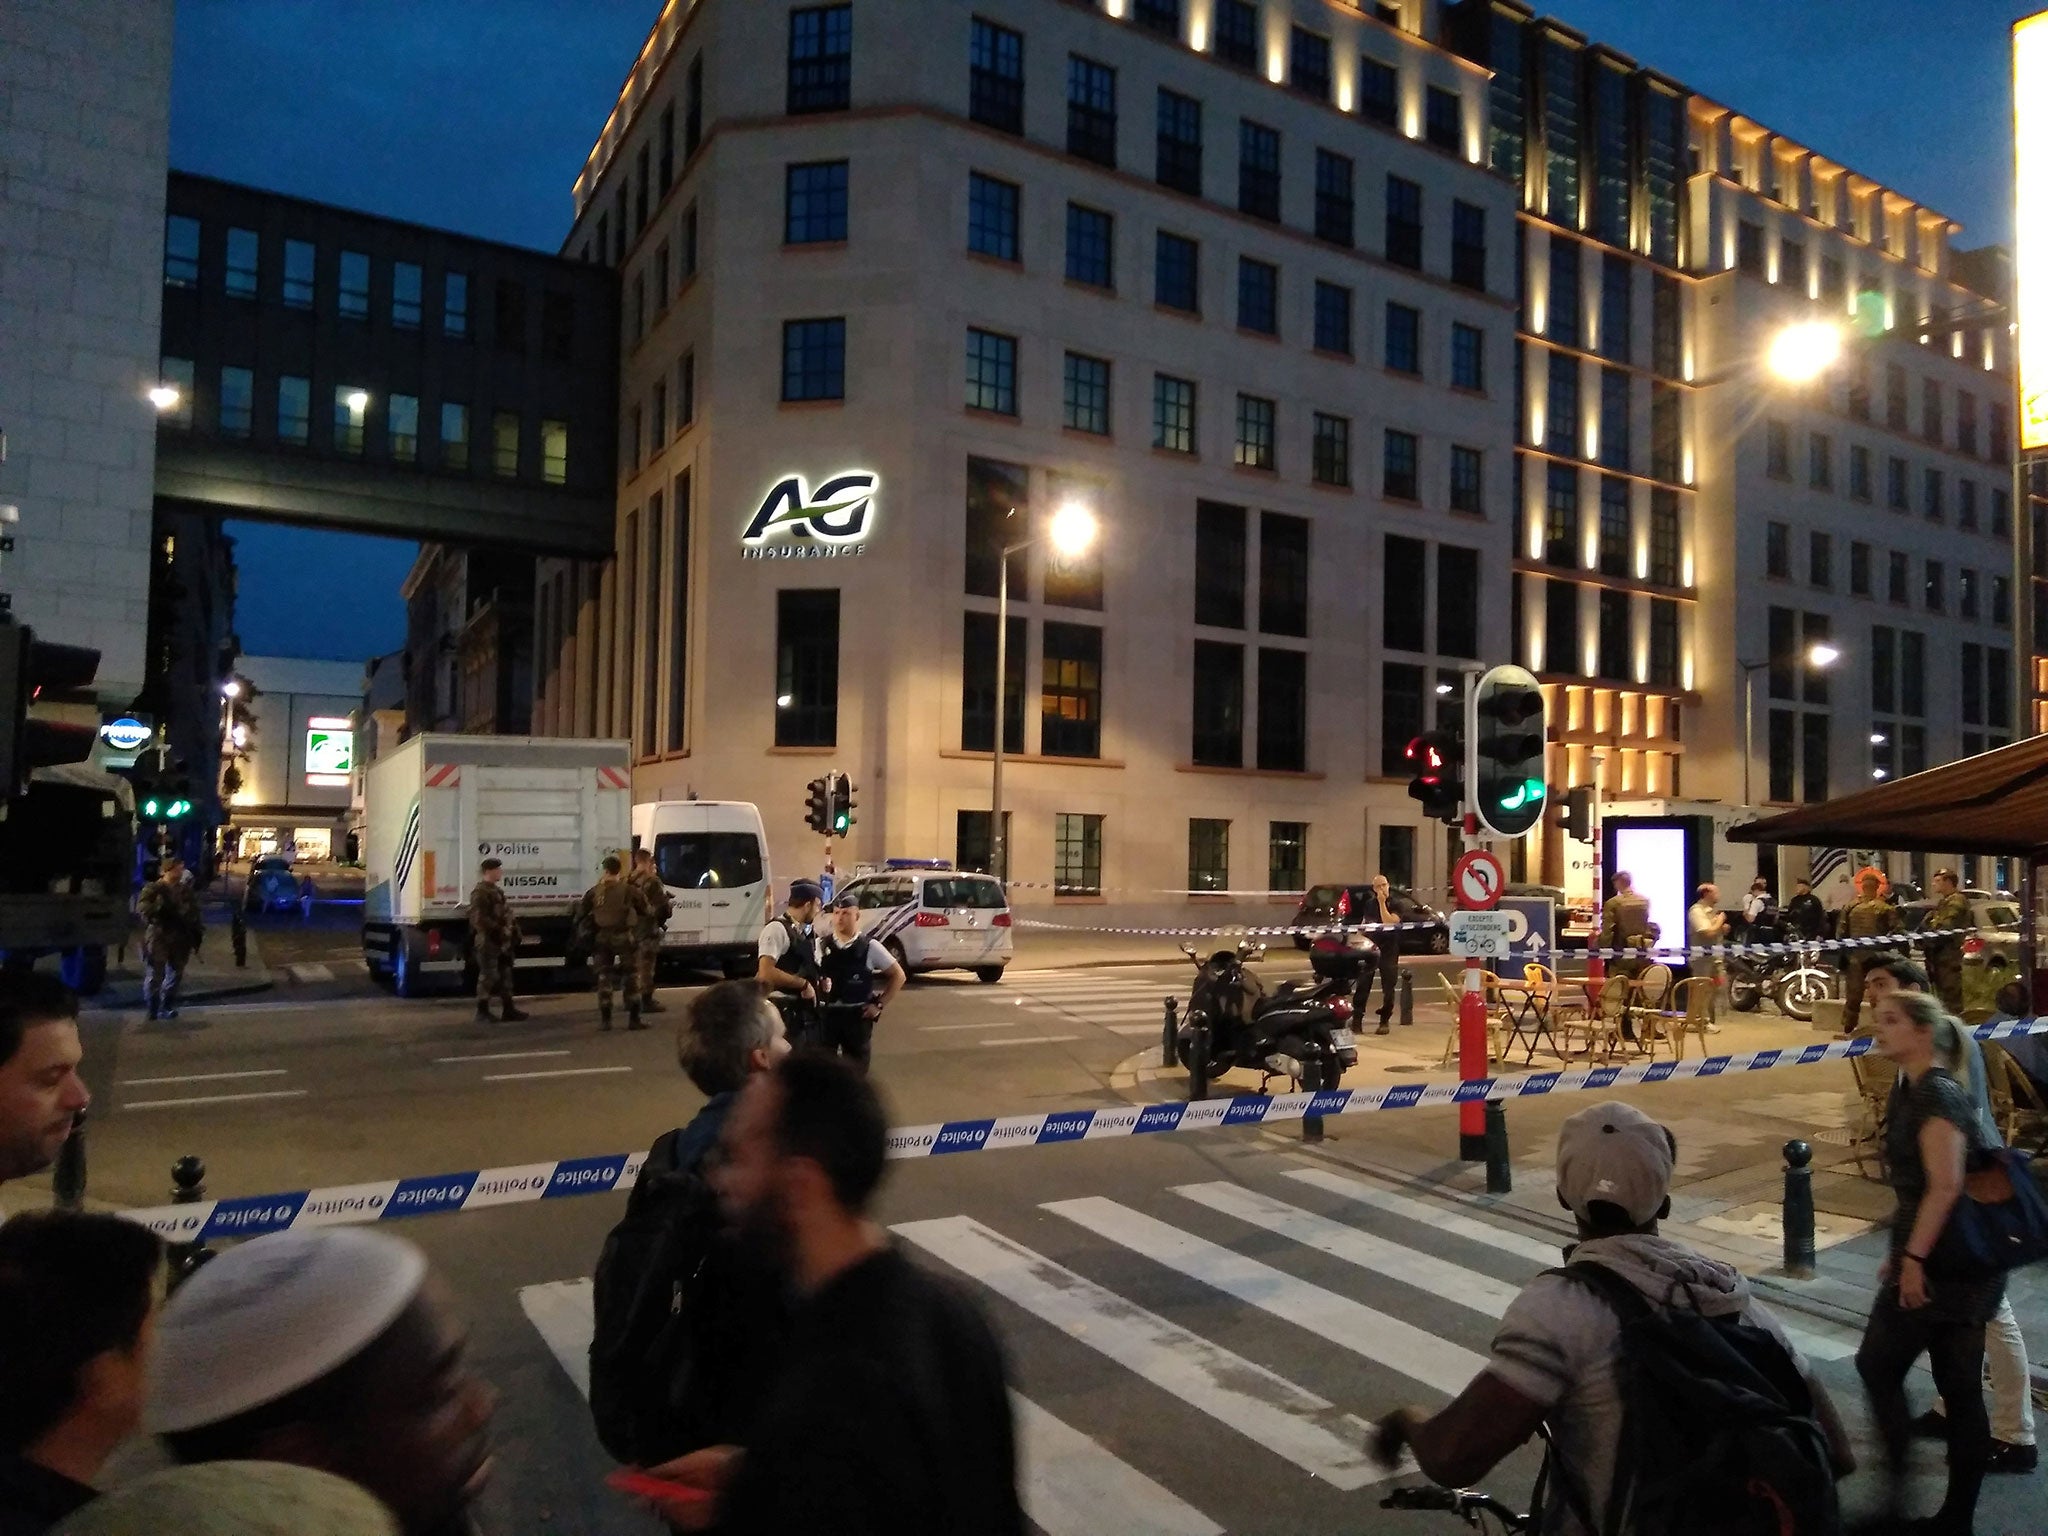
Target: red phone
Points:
(631, 1480)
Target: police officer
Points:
(1867, 917)
(612, 912)
(1625, 923)
(647, 936)
(787, 963)
(848, 965)
(1805, 917)
(1945, 955)
(171, 930)
(493, 941)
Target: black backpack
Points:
(1719, 1435)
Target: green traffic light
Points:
(839, 822)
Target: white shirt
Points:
(774, 940)
(1706, 922)
(1756, 906)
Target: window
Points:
(978, 685)
(1930, 410)
(239, 280)
(666, 137)
(1331, 457)
(1255, 432)
(1820, 563)
(1895, 397)
(351, 405)
(179, 373)
(991, 372)
(1859, 472)
(405, 295)
(1778, 550)
(1444, 119)
(1457, 601)
(1070, 698)
(1333, 319)
(814, 203)
(1966, 504)
(353, 302)
(455, 304)
(1287, 856)
(1258, 296)
(1859, 393)
(1404, 592)
(554, 452)
(1397, 855)
(1615, 526)
(1999, 449)
(505, 443)
(1912, 672)
(294, 407)
(1087, 394)
(1933, 503)
(2001, 601)
(238, 400)
(1404, 338)
(1615, 308)
(1561, 516)
(1077, 854)
(1160, 16)
(1897, 575)
(1258, 170)
(992, 216)
(1468, 357)
(1399, 477)
(1283, 711)
(1237, 33)
(1308, 58)
(1613, 649)
(1091, 247)
(1562, 66)
(181, 251)
(638, 323)
(807, 668)
(1936, 587)
(1561, 420)
(1813, 756)
(1998, 687)
(1561, 627)
(1783, 765)
(1283, 574)
(1966, 423)
(998, 503)
(1401, 715)
(1173, 413)
(402, 427)
(1749, 248)
(1666, 325)
(995, 76)
(1335, 206)
(1208, 855)
(1820, 461)
(1176, 273)
(1663, 643)
(1091, 110)
(821, 59)
(1468, 246)
(1379, 90)
(1404, 223)
(686, 256)
(1895, 483)
(1220, 565)
(1966, 593)
(1179, 164)
(1565, 282)
(814, 359)
(299, 265)
(2001, 513)
(657, 416)
(1664, 537)
(1218, 714)
(1777, 450)
(1614, 419)
(686, 391)
(454, 435)
(1859, 569)
(1467, 479)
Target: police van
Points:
(932, 917)
(713, 857)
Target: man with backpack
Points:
(647, 936)
(612, 911)
(688, 1319)
(1673, 1402)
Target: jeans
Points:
(1892, 1340)
(1387, 965)
(2005, 1362)
(845, 1029)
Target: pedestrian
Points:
(41, 1093)
(647, 937)
(1944, 956)
(1557, 1362)
(1756, 905)
(330, 1348)
(493, 941)
(890, 1410)
(1805, 917)
(78, 1300)
(172, 929)
(233, 1498)
(610, 916)
(848, 965)
(1707, 926)
(788, 959)
(1932, 1128)
(1388, 911)
(688, 1320)
(1625, 924)
(1868, 917)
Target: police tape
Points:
(1306, 930)
(484, 1189)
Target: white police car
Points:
(934, 918)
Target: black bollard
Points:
(67, 1179)
(1407, 997)
(188, 1187)
(1169, 1035)
(1799, 1248)
(1500, 1179)
(238, 933)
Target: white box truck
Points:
(438, 806)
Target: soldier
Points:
(1865, 918)
(1625, 923)
(171, 930)
(612, 912)
(1945, 955)
(647, 935)
(493, 941)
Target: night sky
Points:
(475, 115)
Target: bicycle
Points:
(1481, 1511)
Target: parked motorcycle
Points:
(1795, 981)
(1299, 1031)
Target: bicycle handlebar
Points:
(1466, 1503)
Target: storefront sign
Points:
(126, 734)
(330, 751)
(793, 523)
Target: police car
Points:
(932, 917)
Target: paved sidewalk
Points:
(211, 975)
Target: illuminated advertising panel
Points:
(330, 751)
(2030, 222)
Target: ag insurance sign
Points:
(797, 522)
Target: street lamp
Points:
(165, 397)
(231, 689)
(1072, 532)
(1819, 656)
(1801, 353)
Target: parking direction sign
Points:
(1532, 928)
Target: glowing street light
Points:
(231, 689)
(1823, 656)
(1801, 353)
(165, 397)
(1072, 531)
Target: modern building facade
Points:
(468, 660)
(191, 648)
(299, 764)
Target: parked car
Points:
(1351, 902)
(271, 886)
(937, 919)
(1987, 910)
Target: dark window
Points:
(1561, 627)
(1813, 756)
(642, 178)
(1912, 673)
(1999, 448)
(1220, 565)
(1070, 699)
(181, 252)
(1457, 601)
(1467, 479)
(666, 168)
(1615, 527)
(1966, 503)
(1614, 643)
(1966, 423)
(693, 108)
(1330, 460)
(1283, 574)
(1468, 246)
(821, 59)
(995, 76)
(1333, 318)
(1335, 206)
(1399, 477)
(814, 359)
(1379, 90)
(1895, 472)
(298, 274)
(2001, 513)
(1561, 516)
(1091, 110)
(1076, 854)
(1859, 569)
(687, 262)
(557, 326)
(1404, 338)
(238, 406)
(1666, 326)
(1933, 503)
(1219, 705)
(1404, 222)
(1820, 559)
(1783, 672)
(1397, 854)
(1859, 393)
(1286, 855)
(1176, 273)
(1403, 594)
(1614, 423)
(1820, 461)
(1930, 410)
(1966, 593)
(686, 390)
(1173, 413)
(406, 303)
(1778, 549)
(1749, 248)
(1258, 170)
(239, 280)
(1161, 16)
(998, 510)
(1237, 33)
(978, 685)
(1814, 632)
(807, 668)
(1792, 264)
(1663, 643)
(1091, 246)
(1309, 63)
(1258, 296)
(1564, 292)
(1468, 356)
(1783, 753)
(1401, 715)
(352, 301)
(1444, 119)
(1255, 432)
(1614, 308)
(1208, 852)
(1179, 163)
(992, 216)
(1998, 687)
(1777, 450)
(1086, 402)
(814, 203)
(991, 372)
(1283, 710)
(1664, 538)
(2001, 601)
(1664, 437)
(1936, 587)
(1859, 472)
(1561, 137)
(1895, 397)
(1561, 423)
(1897, 575)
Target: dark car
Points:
(1352, 904)
(271, 886)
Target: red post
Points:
(1472, 1051)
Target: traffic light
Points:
(1578, 813)
(35, 674)
(1507, 732)
(1439, 783)
(842, 804)
(817, 805)
(166, 799)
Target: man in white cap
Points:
(1554, 1360)
(328, 1349)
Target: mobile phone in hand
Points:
(631, 1480)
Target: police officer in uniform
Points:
(1945, 956)
(1625, 923)
(786, 965)
(493, 941)
(647, 937)
(1805, 917)
(849, 964)
(172, 929)
(1867, 917)
(612, 913)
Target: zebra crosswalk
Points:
(1198, 1357)
(1122, 1005)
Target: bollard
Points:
(1407, 997)
(238, 933)
(1799, 1248)
(67, 1179)
(1169, 1034)
(188, 1187)
(1500, 1179)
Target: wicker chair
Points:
(1875, 1079)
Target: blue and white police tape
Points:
(397, 1199)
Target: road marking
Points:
(561, 1312)
(498, 1056)
(1134, 1029)
(939, 1029)
(216, 1098)
(200, 1077)
(1029, 1040)
(1263, 1406)
(1415, 1352)
(310, 971)
(521, 1077)
(1071, 1486)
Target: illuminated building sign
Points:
(330, 751)
(125, 734)
(793, 523)
(2030, 222)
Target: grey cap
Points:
(1615, 1153)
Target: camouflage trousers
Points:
(493, 973)
(611, 955)
(646, 956)
(1945, 972)
(163, 968)
(1852, 993)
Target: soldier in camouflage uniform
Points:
(1865, 918)
(1945, 956)
(611, 914)
(647, 935)
(493, 941)
(171, 930)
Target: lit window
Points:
(554, 452)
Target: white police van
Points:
(932, 917)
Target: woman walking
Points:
(1931, 1132)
